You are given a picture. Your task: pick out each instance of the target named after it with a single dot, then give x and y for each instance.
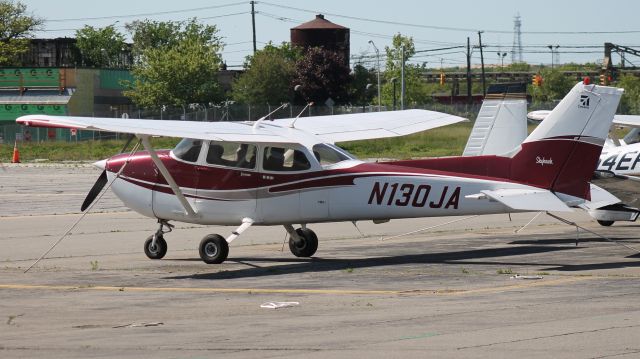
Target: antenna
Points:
(516, 49)
(300, 114)
(257, 123)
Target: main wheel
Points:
(156, 251)
(214, 249)
(308, 244)
(605, 223)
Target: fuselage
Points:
(348, 190)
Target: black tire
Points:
(160, 248)
(605, 223)
(308, 244)
(214, 249)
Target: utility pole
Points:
(378, 68)
(468, 71)
(402, 78)
(484, 89)
(253, 24)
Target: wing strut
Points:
(167, 176)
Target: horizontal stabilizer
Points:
(526, 199)
(599, 198)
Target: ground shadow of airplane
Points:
(464, 257)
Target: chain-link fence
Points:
(234, 112)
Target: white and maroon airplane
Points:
(289, 171)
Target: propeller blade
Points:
(95, 190)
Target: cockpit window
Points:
(329, 154)
(188, 149)
(232, 154)
(285, 159)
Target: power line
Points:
(148, 14)
(447, 28)
(354, 31)
(122, 26)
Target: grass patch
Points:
(443, 141)
(504, 271)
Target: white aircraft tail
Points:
(501, 124)
(562, 152)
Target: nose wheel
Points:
(155, 250)
(155, 247)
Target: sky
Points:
(577, 30)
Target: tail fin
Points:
(562, 152)
(501, 124)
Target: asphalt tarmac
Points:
(468, 289)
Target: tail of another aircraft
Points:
(501, 124)
(562, 152)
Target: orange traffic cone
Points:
(16, 153)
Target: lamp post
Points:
(552, 48)
(501, 57)
(364, 102)
(393, 81)
(378, 69)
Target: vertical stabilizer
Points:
(501, 125)
(562, 152)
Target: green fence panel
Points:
(13, 111)
(31, 77)
(111, 79)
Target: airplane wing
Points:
(538, 115)
(525, 199)
(363, 126)
(217, 131)
(627, 120)
(622, 120)
(333, 128)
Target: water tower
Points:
(322, 32)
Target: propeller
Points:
(102, 180)
(95, 190)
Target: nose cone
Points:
(102, 164)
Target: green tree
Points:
(322, 74)
(416, 90)
(179, 73)
(148, 34)
(100, 47)
(630, 101)
(16, 27)
(555, 85)
(360, 78)
(268, 76)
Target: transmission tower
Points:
(516, 49)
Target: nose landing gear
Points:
(155, 247)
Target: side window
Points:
(328, 155)
(188, 150)
(231, 154)
(283, 159)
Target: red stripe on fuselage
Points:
(572, 167)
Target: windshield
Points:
(188, 149)
(328, 154)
